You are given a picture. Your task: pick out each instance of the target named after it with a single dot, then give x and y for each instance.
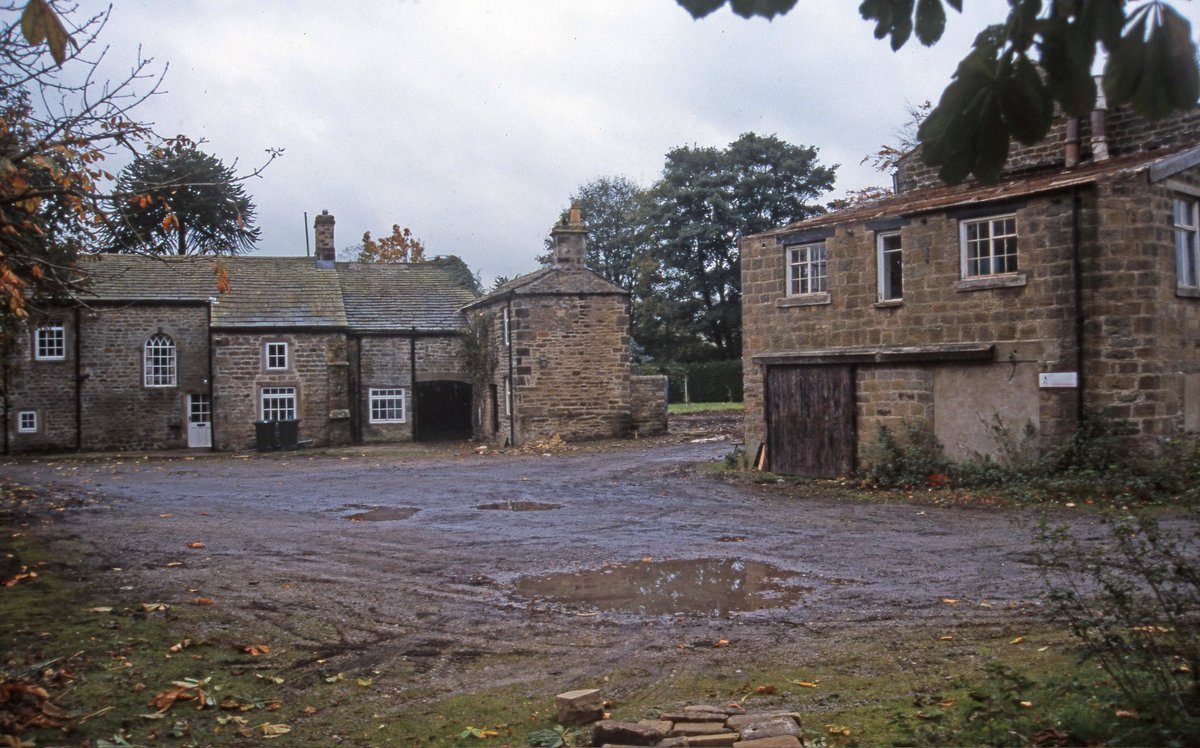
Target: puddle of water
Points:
(384, 514)
(520, 506)
(704, 586)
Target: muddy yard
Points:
(437, 574)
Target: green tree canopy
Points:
(706, 198)
(1007, 87)
(180, 200)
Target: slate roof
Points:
(551, 280)
(399, 297)
(942, 198)
(281, 292)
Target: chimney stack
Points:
(570, 240)
(1100, 126)
(323, 229)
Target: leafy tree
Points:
(611, 209)
(400, 246)
(706, 198)
(180, 200)
(1007, 87)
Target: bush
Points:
(914, 459)
(706, 382)
(1133, 602)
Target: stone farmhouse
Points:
(1070, 287)
(327, 353)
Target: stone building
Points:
(557, 345)
(1071, 286)
(155, 357)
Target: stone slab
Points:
(579, 707)
(771, 728)
(625, 733)
(738, 721)
(695, 716)
(698, 728)
(720, 740)
(783, 741)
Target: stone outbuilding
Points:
(1072, 286)
(554, 354)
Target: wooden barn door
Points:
(810, 420)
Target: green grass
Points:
(678, 408)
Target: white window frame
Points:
(807, 269)
(159, 361)
(507, 326)
(27, 421)
(883, 266)
(50, 343)
(508, 396)
(200, 408)
(275, 356)
(1185, 220)
(277, 403)
(388, 405)
(1002, 246)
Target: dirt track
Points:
(425, 576)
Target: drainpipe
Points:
(511, 394)
(1071, 157)
(412, 377)
(78, 382)
(356, 392)
(1077, 268)
(212, 382)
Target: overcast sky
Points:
(473, 121)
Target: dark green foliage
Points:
(458, 270)
(706, 381)
(910, 460)
(1133, 602)
(180, 200)
(706, 198)
(997, 93)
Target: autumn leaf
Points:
(39, 23)
(950, 600)
(310, 709)
(1017, 640)
(767, 689)
(254, 650)
(804, 683)
(720, 643)
(203, 601)
(197, 545)
(155, 607)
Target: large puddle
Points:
(702, 586)
(384, 514)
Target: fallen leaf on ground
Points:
(203, 601)
(767, 689)
(99, 609)
(946, 638)
(180, 645)
(197, 545)
(950, 600)
(254, 650)
(1127, 713)
(720, 643)
(310, 709)
(1017, 640)
(804, 683)
(154, 607)
(364, 682)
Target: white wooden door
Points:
(199, 432)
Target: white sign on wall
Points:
(1058, 379)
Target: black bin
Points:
(266, 435)
(288, 433)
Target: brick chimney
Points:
(323, 229)
(570, 240)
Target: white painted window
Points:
(508, 399)
(199, 408)
(27, 422)
(278, 403)
(988, 246)
(159, 361)
(50, 343)
(889, 261)
(507, 328)
(276, 355)
(807, 269)
(387, 406)
(1186, 222)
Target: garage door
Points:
(810, 420)
(443, 411)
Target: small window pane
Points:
(278, 403)
(1187, 242)
(277, 355)
(989, 247)
(27, 422)
(160, 362)
(807, 269)
(387, 406)
(891, 268)
(50, 343)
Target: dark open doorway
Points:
(443, 411)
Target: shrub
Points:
(914, 459)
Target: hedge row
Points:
(707, 382)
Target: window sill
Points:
(1012, 280)
(807, 299)
(1187, 292)
(889, 303)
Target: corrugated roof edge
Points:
(941, 198)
